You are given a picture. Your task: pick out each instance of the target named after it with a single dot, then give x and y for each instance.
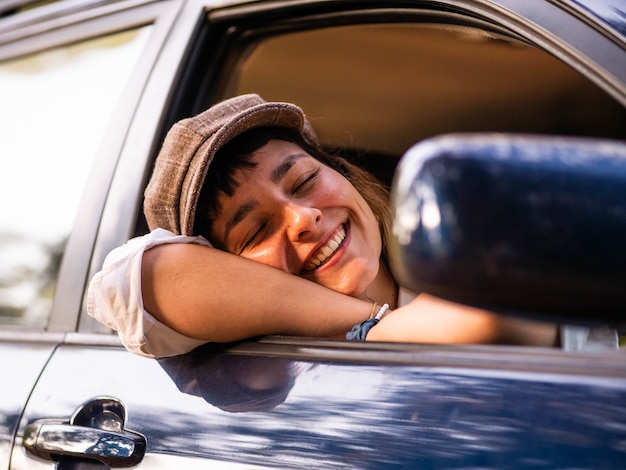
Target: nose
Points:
(301, 221)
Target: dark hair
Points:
(236, 155)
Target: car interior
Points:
(391, 85)
(374, 90)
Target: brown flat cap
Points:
(171, 196)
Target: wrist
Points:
(361, 330)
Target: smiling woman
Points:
(287, 209)
(249, 178)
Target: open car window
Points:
(373, 87)
(378, 89)
(421, 80)
(372, 90)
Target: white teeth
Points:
(327, 250)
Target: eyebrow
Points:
(281, 170)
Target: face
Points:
(298, 215)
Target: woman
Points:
(249, 177)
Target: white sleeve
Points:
(115, 299)
(583, 338)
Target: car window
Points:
(380, 88)
(55, 109)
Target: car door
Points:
(282, 402)
(275, 405)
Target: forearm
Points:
(429, 319)
(215, 296)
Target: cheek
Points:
(373, 236)
(339, 192)
(261, 255)
(271, 253)
(370, 223)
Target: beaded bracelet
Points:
(360, 330)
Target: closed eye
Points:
(305, 181)
(254, 237)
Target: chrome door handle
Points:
(95, 432)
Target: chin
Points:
(354, 285)
(355, 290)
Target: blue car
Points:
(511, 112)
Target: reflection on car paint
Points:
(233, 383)
(352, 416)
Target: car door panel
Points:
(287, 412)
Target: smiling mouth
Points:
(326, 252)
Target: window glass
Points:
(55, 108)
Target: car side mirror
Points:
(529, 225)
